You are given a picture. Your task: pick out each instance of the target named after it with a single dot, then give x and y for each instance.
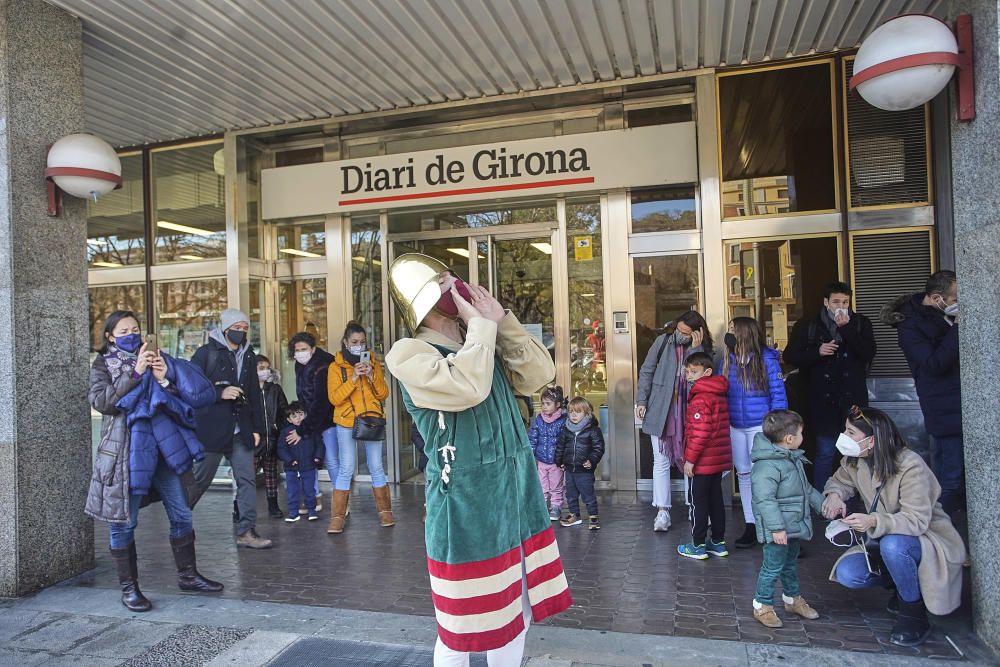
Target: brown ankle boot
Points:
(383, 502)
(338, 511)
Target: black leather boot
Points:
(273, 509)
(749, 537)
(128, 579)
(188, 578)
(236, 512)
(912, 627)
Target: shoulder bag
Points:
(368, 426)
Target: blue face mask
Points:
(130, 343)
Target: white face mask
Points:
(264, 376)
(848, 446)
(839, 312)
(951, 310)
(303, 356)
(837, 528)
(356, 350)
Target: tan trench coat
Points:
(909, 506)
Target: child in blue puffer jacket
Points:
(756, 387)
(544, 436)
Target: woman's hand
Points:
(159, 366)
(697, 337)
(860, 522)
(143, 359)
(640, 412)
(834, 506)
(293, 437)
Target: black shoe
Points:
(188, 577)
(236, 512)
(273, 510)
(749, 537)
(128, 578)
(912, 627)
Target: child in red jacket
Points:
(707, 455)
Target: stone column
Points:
(44, 419)
(975, 174)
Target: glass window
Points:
(587, 331)
(297, 156)
(769, 282)
(425, 221)
(115, 222)
(189, 203)
(254, 162)
(186, 311)
(366, 271)
(106, 299)
(301, 239)
(664, 209)
(776, 130)
(301, 307)
(256, 313)
(674, 113)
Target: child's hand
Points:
(295, 464)
(318, 462)
(587, 465)
(780, 537)
(688, 469)
(562, 467)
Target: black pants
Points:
(581, 484)
(706, 505)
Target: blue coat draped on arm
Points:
(161, 422)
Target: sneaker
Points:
(251, 540)
(695, 551)
(716, 548)
(798, 606)
(571, 520)
(319, 503)
(313, 516)
(555, 513)
(302, 510)
(662, 522)
(292, 518)
(595, 523)
(764, 613)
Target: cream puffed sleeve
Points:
(451, 383)
(528, 362)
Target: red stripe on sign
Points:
(474, 570)
(481, 604)
(468, 642)
(468, 191)
(551, 606)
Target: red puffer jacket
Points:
(706, 432)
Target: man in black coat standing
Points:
(927, 326)
(232, 426)
(834, 350)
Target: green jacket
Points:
(781, 493)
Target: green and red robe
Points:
(485, 509)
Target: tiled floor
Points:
(624, 578)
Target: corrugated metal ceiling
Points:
(167, 69)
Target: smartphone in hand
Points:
(366, 357)
(151, 344)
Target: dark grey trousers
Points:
(241, 461)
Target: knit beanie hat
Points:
(231, 316)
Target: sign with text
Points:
(657, 155)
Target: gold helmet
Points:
(413, 284)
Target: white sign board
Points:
(656, 155)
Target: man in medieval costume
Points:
(491, 551)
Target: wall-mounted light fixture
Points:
(81, 165)
(909, 59)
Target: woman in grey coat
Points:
(661, 401)
(146, 451)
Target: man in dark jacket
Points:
(232, 426)
(927, 326)
(835, 350)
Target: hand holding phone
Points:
(151, 344)
(366, 357)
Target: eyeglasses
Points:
(855, 413)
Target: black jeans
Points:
(581, 484)
(706, 505)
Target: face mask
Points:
(835, 534)
(951, 310)
(839, 312)
(356, 350)
(847, 446)
(236, 337)
(681, 339)
(264, 376)
(303, 356)
(730, 340)
(446, 304)
(129, 343)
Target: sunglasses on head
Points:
(856, 413)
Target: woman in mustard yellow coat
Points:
(356, 386)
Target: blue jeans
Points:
(901, 555)
(300, 486)
(948, 462)
(168, 484)
(580, 484)
(780, 562)
(826, 452)
(342, 459)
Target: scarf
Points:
(553, 418)
(119, 362)
(352, 359)
(672, 440)
(578, 428)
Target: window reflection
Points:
(115, 224)
(366, 272)
(106, 299)
(186, 311)
(425, 221)
(189, 203)
(587, 350)
(301, 239)
(664, 209)
(301, 307)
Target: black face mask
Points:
(236, 337)
(730, 339)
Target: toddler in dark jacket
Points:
(301, 462)
(580, 449)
